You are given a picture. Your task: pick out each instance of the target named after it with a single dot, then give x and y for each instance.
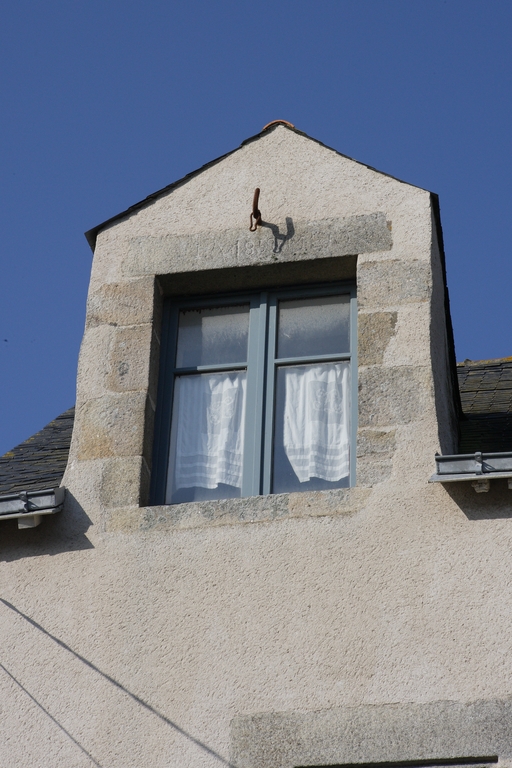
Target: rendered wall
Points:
(272, 631)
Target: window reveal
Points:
(261, 389)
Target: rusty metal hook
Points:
(256, 213)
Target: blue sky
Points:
(105, 102)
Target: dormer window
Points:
(255, 395)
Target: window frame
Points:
(261, 383)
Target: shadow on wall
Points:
(47, 713)
(137, 700)
(63, 532)
(280, 238)
(496, 504)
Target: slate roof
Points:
(486, 397)
(39, 462)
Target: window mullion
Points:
(269, 397)
(255, 397)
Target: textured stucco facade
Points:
(369, 624)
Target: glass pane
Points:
(212, 335)
(207, 437)
(311, 432)
(315, 326)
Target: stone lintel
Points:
(387, 733)
(271, 243)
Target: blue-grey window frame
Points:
(261, 366)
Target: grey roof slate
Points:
(486, 397)
(39, 462)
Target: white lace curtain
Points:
(210, 429)
(316, 419)
(210, 412)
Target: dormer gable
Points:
(330, 227)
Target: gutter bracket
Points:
(29, 521)
(482, 486)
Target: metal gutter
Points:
(479, 468)
(29, 506)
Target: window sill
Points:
(250, 510)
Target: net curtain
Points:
(211, 415)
